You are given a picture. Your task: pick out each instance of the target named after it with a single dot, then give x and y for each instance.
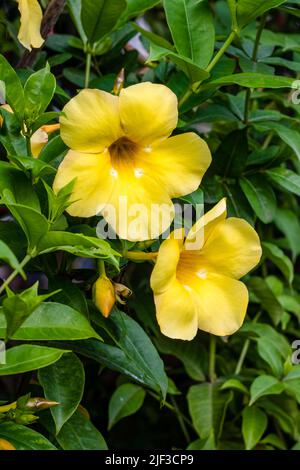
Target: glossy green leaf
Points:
(99, 18)
(264, 385)
(260, 196)
(253, 80)
(78, 433)
(192, 28)
(63, 382)
(248, 10)
(254, 425)
(38, 92)
(266, 297)
(285, 179)
(27, 357)
(24, 438)
(207, 407)
(125, 401)
(277, 256)
(52, 321)
(13, 90)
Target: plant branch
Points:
(14, 274)
(212, 358)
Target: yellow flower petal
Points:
(176, 313)
(179, 163)
(139, 208)
(91, 122)
(202, 229)
(93, 181)
(38, 140)
(221, 303)
(31, 18)
(233, 248)
(148, 112)
(165, 267)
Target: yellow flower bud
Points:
(104, 295)
(5, 445)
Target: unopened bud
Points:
(5, 445)
(104, 295)
(39, 404)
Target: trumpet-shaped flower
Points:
(195, 280)
(31, 18)
(123, 158)
(39, 138)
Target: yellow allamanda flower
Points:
(30, 27)
(39, 138)
(121, 150)
(195, 283)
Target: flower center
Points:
(123, 150)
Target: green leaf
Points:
(291, 382)
(285, 179)
(192, 28)
(16, 183)
(136, 7)
(260, 196)
(190, 353)
(253, 80)
(53, 149)
(63, 382)
(254, 425)
(24, 438)
(192, 70)
(288, 223)
(10, 136)
(99, 18)
(234, 384)
(231, 156)
(38, 93)
(70, 294)
(78, 433)
(52, 321)
(248, 10)
(9, 257)
(74, 7)
(13, 89)
(18, 307)
(32, 222)
(277, 256)
(27, 357)
(264, 385)
(77, 244)
(133, 354)
(272, 347)
(207, 407)
(266, 297)
(125, 401)
(289, 136)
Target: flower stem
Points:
(254, 58)
(221, 51)
(14, 274)
(180, 419)
(242, 357)
(87, 69)
(212, 358)
(101, 267)
(211, 65)
(139, 255)
(28, 146)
